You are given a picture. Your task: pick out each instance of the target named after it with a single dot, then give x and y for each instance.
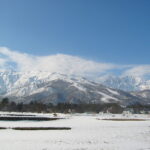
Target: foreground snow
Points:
(87, 133)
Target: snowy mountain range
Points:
(125, 83)
(49, 87)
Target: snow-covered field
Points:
(87, 133)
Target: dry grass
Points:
(38, 128)
(2, 128)
(33, 118)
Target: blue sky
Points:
(115, 32)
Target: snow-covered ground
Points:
(87, 133)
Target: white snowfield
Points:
(87, 133)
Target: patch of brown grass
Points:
(38, 128)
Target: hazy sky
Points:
(116, 31)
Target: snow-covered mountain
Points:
(126, 83)
(26, 83)
(49, 87)
(145, 95)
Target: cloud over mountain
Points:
(66, 64)
(53, 63)
(138, 71)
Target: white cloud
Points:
(2, 62)
(61, 63)
(65, 64)
(139, 71)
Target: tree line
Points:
(6, 105)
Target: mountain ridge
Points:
(54, 87)
(126, 83)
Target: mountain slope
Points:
(63, 91)
(126, 83)
(145, 95)
(53, 88)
